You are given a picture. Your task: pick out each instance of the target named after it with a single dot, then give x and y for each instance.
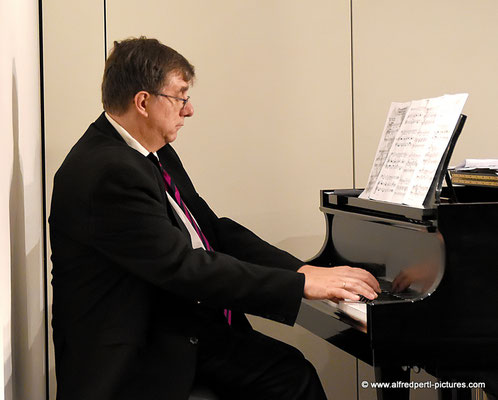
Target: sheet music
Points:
(420, 135)
(477, 163)
(441, 130)
(400, 152)
(409, 153)
(395, 118)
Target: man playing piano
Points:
(150, 286)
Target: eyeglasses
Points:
(176, 98)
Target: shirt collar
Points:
(130, 140)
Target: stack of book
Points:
(476, 172)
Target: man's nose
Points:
(188, 110)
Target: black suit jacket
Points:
(131, 296)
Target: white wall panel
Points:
(21, 236)
(412, 50)
(6, 140)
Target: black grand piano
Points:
(438, 269)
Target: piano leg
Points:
(391, 375)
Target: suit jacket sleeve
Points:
(224, 234)
(240, 242)
(131, 228)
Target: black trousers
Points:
(245, 364)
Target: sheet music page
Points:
(448, 112)
(418, 133)
(414, 140)
(477, 163)
(389, 178)
(395, 118)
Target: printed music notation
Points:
(413, 142)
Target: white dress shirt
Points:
(133, 143)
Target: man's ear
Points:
(140, 102)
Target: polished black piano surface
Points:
(443, 314)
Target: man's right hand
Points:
(338, 283)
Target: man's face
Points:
(167, 114)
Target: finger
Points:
(360, 287)
(364, 275)
(350, 279)
(369, 279)
(342, 294)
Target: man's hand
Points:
(338, 283)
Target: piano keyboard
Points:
(382, 296)
(358, 309)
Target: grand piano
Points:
(438, 269)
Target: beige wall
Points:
(273, 98)
(412, 50)
(22, 324)
(272, 105)
(73, 39)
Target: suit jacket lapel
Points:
(105, 127)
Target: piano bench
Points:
(202, 392)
